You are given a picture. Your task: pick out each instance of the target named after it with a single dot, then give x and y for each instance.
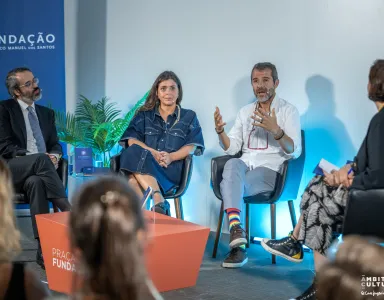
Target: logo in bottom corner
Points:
(372, 285)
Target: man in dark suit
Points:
(30, 145)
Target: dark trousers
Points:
(36, 177)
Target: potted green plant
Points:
(95, 125)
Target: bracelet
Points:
(220, 131)
(281, 135)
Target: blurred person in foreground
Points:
(108, 236)
(17, 281)
(356, 273)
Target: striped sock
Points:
(234, 219)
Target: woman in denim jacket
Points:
(159, 137)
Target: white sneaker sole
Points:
(273, 251)
(234, 266)
(238, 242)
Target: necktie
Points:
(37, 134)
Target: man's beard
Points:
(269, 93)
(32, 96)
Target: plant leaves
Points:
(95, 125)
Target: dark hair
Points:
(376, 79)
(342, 278)
(152, 97)
(11, 81)
(266, 65)
(104, 223)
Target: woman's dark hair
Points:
(376, 80)
(104, 223)
(152, 96)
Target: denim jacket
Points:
(182, 128)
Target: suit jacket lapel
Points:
(19, 116)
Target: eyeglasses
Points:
(29, 83)
(258, 139)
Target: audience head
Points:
(107, 236)
(9, 235)
(342, 278)
(21, 84)
(376, 81)
(264, 79)
(167, 89)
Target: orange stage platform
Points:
(173, 256)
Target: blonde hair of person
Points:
(9, 235)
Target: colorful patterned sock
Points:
(234, 219)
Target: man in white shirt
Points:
(266, 132)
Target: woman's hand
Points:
(350, 178)
(166, 159)
(342, 177)
(329, 178)
(156, 154)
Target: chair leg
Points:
(292, 212)
(273, 227)
(247, 224)
(219, 229)
(179, 208)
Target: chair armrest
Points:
(185, 176)
(62, 171)
(115, 163)
(363, 213)
(217, 168)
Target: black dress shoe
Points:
(162, 208)
(40, 259)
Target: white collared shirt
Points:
(31, 141)
(261, 149)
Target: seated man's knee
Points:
(42, 157)
(232, 165)
(33, 181)
(232, 170)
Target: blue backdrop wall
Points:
(32, 35)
